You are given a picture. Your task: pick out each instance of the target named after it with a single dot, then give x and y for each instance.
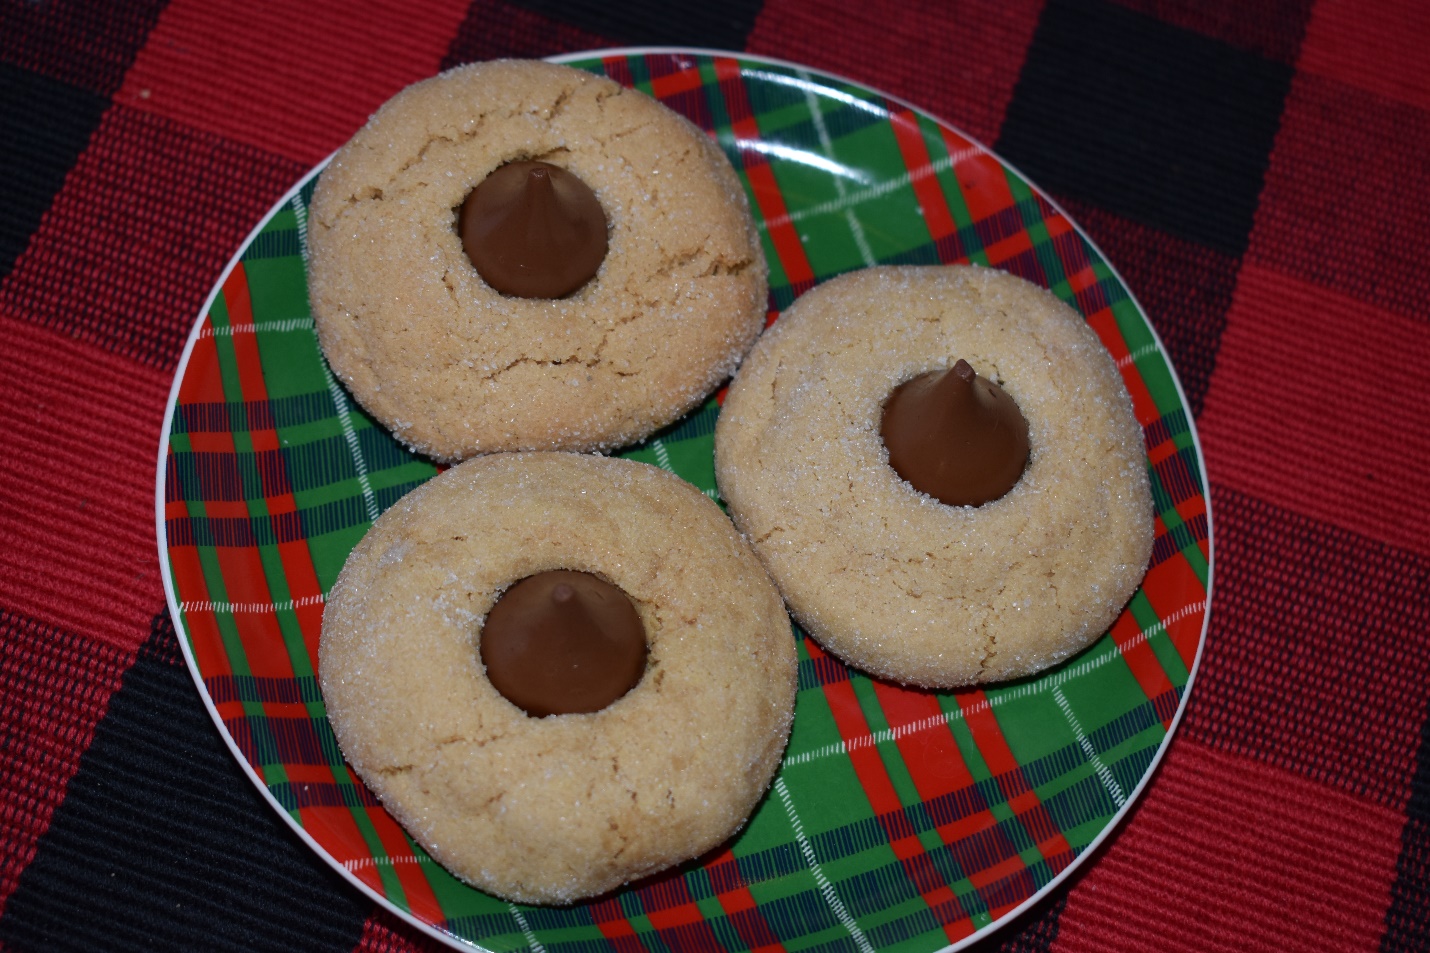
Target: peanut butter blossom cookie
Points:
(941, 469)
(520, 255)
(550, 698)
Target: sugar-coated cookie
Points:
(454, 367)
(886, 577)
(553, 809)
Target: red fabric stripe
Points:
(1346, 200)
(1378, 47)
(384, 933)
(1318, 406)
(80, 431)
(115, 261)
(1212, 862)
(54, 689)
(959, 60)
(496, 28)
(85, 45)
(244, 72)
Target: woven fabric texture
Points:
(1257, 176)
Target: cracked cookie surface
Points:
(453, 367)
(888, 578)
(550, 810)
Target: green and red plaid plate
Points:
(900, 820)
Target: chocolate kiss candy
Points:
(561, 642)
(533, 230)
(955, 436)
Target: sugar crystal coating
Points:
(886, 577)
(454, 367)
(550, 810)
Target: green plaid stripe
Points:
(845, 852)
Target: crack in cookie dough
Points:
(549, 810)
(475, 126)
(447, 281)
(454, 368)
(1003, 590)
(394, 770)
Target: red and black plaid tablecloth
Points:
(1260, 174)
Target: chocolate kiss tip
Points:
(954, 436)
(563, 642)
(533, 230)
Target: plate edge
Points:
(175, 611)
(1092, 848)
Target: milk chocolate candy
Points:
(956, 436)
(533, 230)
(562, 642)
